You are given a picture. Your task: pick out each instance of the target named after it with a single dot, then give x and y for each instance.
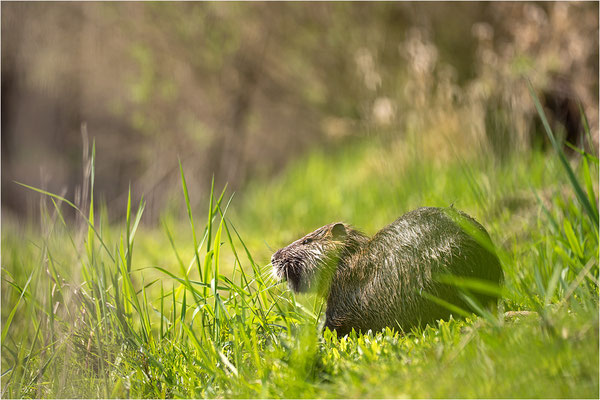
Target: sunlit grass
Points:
(190, 310)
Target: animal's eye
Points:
(307, 241)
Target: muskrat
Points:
(378, 282)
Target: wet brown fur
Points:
(372, 283)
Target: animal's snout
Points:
(277, 266)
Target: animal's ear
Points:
(338, 231)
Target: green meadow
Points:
(189, 308)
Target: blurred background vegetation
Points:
(239, 90)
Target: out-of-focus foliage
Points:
(239, 90)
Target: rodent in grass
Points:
(378, 282)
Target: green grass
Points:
(190, 309)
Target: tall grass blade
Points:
(14, 309)
(586, 127)
(453, 308)
(190, 218)
(563, 159)
(210, 213)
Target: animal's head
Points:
(309, 262)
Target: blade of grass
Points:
(14, 309)
(191, 219)
(563, 159)
(445, 304)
